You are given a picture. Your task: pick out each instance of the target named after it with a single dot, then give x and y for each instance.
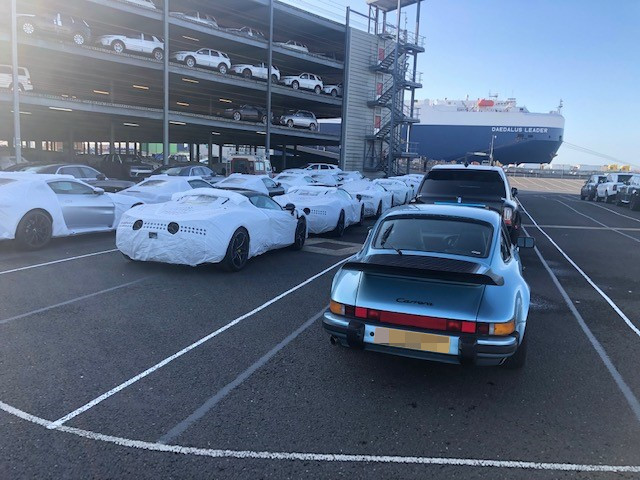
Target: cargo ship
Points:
(464, 130)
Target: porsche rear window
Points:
(435, 235)
(234, 181)
(152, 183)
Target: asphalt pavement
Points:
(114, 369)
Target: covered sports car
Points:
(35, 208)
(160, 188)
(375, 198)
(291, 178)
(328, 209)
(257, 183)
(210, 225)
(402, 193)
(411, 180)
(436, 282)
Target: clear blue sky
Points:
(586, 52)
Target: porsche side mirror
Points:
(359, 197)
(526, 242)
(290, 207)
(514, 191)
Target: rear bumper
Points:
(465, 349)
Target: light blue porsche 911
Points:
(438, 282)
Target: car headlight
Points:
(137, 225)
(173, 228)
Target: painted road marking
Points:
(632, 400)
(29, 267)
(605, 208)
(585, 276)
(320, 457)
(187, 349)
(73, 300)
(207, 406)
(599, 223)
(584, 227)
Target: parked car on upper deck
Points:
(333, 90)
(204, 57)
(247, 113)
(198, 17)
(35, 208)
(608, 189)
(588, 190)
(324, 166)
(260, 71)
(143, 3)
(293, 45)
(629, 193)
(307, 81)
(24, 78)
(57, 24)
(247, 32)
(473, 185)
(435, 282)
(139, 42)
(300, 119)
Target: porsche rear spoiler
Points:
(485, 278)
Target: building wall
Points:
(361, 84)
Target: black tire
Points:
(223, 69)
(295, 85)
(634, 203)
(118, 46)
(237, 116)
(313, 127)
(334, 93)
(618, 201)
(608, 199)
(246, 73)
(264, 119)
(237, 251)
(190, 62)
(34, 230)
(20, 88)
(290, 123)
(596, 198)
(379, 210)
(361, 216)
(158, 54)
(317, 90)
(339, 230)
(28, 27)
(79, 38)
(300, 234)
(518, 359)
(581, 197)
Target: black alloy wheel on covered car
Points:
(300, 235)
(34, 230)
(237, 251)
(339, 230)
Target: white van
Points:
(6, 78)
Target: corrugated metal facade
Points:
(358, 118)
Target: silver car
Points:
(300, 118)
(436, 282)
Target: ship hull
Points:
(511, 144)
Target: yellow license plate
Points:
(426, 342)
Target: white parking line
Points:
(321, 457)
(585, 276)
(632, 400)
(187, 349)
(73, 300)
(181, 427)
(613, 229)
(593, 204)
(29, 267)
(585, 227)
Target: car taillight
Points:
(505, 328)
(507, 215)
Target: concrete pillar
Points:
(209, 151)
(284, 157)
(197, 152)
(112, 144)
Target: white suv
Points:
(608, 190)
(300, 118)
(260, 71)
(308, 81)
(323, 167)
(139, 42)
(6, 78)
(205, 57)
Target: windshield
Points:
(435, 235)
(461, 183)
(152, 183)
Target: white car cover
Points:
(322, 206)
(401, 192)
(289, 179)
(374, 196)
(412, 181)
(327, 178)
(244, 181)
(160, 188)
(351, 176)
(206, 220)
(21, 192)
